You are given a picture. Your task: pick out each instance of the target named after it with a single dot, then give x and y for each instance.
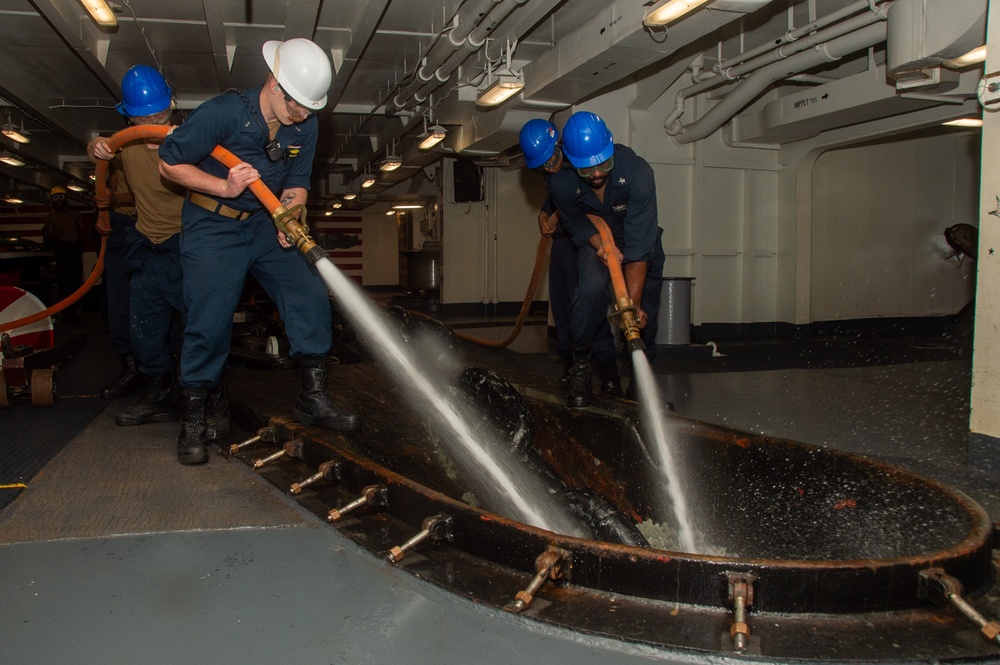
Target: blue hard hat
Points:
(538, 142)
(144, 92)
(587, 140)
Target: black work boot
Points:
(191, 442)
(157, 404)
(217, 413)
(611, 382)
(313, 406)
(578, 380)
(129, 382)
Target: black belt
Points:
(211, 205)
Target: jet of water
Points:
(518, 487)
(651, 408)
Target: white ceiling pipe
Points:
(473, 43)
(469, 15)
(758, 82)
(792, 35)
(476, 40)
(672, 121)
(928, 33)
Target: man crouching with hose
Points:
(227, 233)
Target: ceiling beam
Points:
(301, 17)
(361, 36)
(66, 18)
(217, 42)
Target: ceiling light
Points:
(390, 212)
(973, 57)
(350, 196)
(100, 12)
(13, 200)
(505, 87)
(338, 205)
(432, 136)
(76, 187)
(368, 181)
(408, 206)
(392, 161)
(93, 177)
(666, 11)
(12, 132)
(964, 122)
(10, 159)
(328, 213)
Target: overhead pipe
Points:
(469, 15)
(384, 101)
(672, 124)
(792, 35)
(759, 80)
(473, 43)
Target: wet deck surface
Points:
(115, 552)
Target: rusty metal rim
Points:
(832, 586)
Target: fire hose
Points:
(529, 296)
(625, 311)
(284, 218)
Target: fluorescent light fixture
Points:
(964, 122)
(434, 135)
(391, 163)
(76, 187)
(10, 160)
(505, 87)
(408, 206)
(14, 134)
(368, 181)
(392, 160)
(13, 200)
(974, 56)
(350, 196)
(100, 12)
(666, 11)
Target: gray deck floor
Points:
(115, 553)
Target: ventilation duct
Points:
(802, 115)
(757, 82)
(613, 45)
(926, 33)
(604, 51)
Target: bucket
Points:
(674, 317)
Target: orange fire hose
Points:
(624, 309)
(284, 218)
(529, 296)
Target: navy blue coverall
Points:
(116, 281)
(629, 208)
(562, 286)
(217, 252)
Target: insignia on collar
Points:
(621, 181)
(293, 150)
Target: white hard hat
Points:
(302, 69)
